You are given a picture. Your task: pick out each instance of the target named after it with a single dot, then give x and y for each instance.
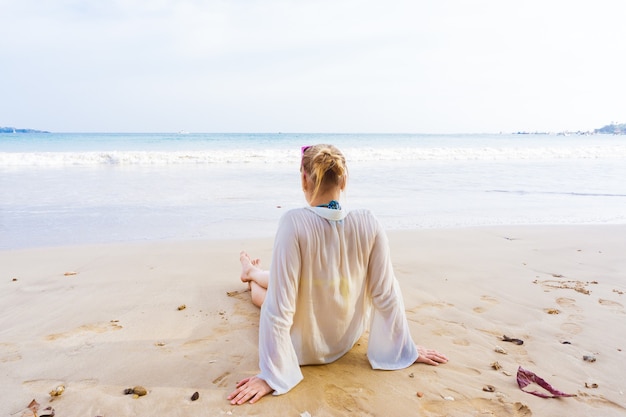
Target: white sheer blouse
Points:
(330, 277)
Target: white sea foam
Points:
(288, 156)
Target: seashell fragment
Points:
(589, 358)
(489, 388)
(57, 391)
(499, 349)
(592, 385)
(448, 398)
(139, 390)
(47, 412)
(496, 366)
(182, 307)
(70, 273)
(195, 396)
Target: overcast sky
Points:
(436, 66)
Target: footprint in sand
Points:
(568, 303)
(87, 328)
(610, 303)
(465, 370)
(338, 398)
(599, 401)
(45, 385)
(571, 328)
(221, 380)
(461, 342)
(488, 299)
(9, 352)
(489, 407)
(436, 304)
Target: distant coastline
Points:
(613, 128)
(16, 130)
(610, 129)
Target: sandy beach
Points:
(174, 318)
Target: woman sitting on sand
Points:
(330, 278)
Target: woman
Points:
(330, 279)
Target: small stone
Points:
(182, 307)
(128, 391)
(499, 349)
(139, 390)
(419, 394)
(592, 385)
(57, 391)
(195, 396)
(411, 375)
(496, 366)
(589, 358)
(489, 388)
(448, 398)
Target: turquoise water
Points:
(64, 189)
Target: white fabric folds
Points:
(330, 271)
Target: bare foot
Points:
(248, 266)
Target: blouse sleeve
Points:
(390, 343)
(277, 357)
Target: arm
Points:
(390, 344)
(280, 370)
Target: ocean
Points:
(81, 188)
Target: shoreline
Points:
(113, 322)
(268, 235)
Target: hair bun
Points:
(326, 166)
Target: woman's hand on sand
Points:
(430, 356)
(249, 389)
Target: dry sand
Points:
(116, 323)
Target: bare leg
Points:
(257, 293)
(257, 278)
(252, 272)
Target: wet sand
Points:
(100, 319)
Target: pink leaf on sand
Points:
(525, 378)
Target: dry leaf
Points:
(525, 378)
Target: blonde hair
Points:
(326, 167)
